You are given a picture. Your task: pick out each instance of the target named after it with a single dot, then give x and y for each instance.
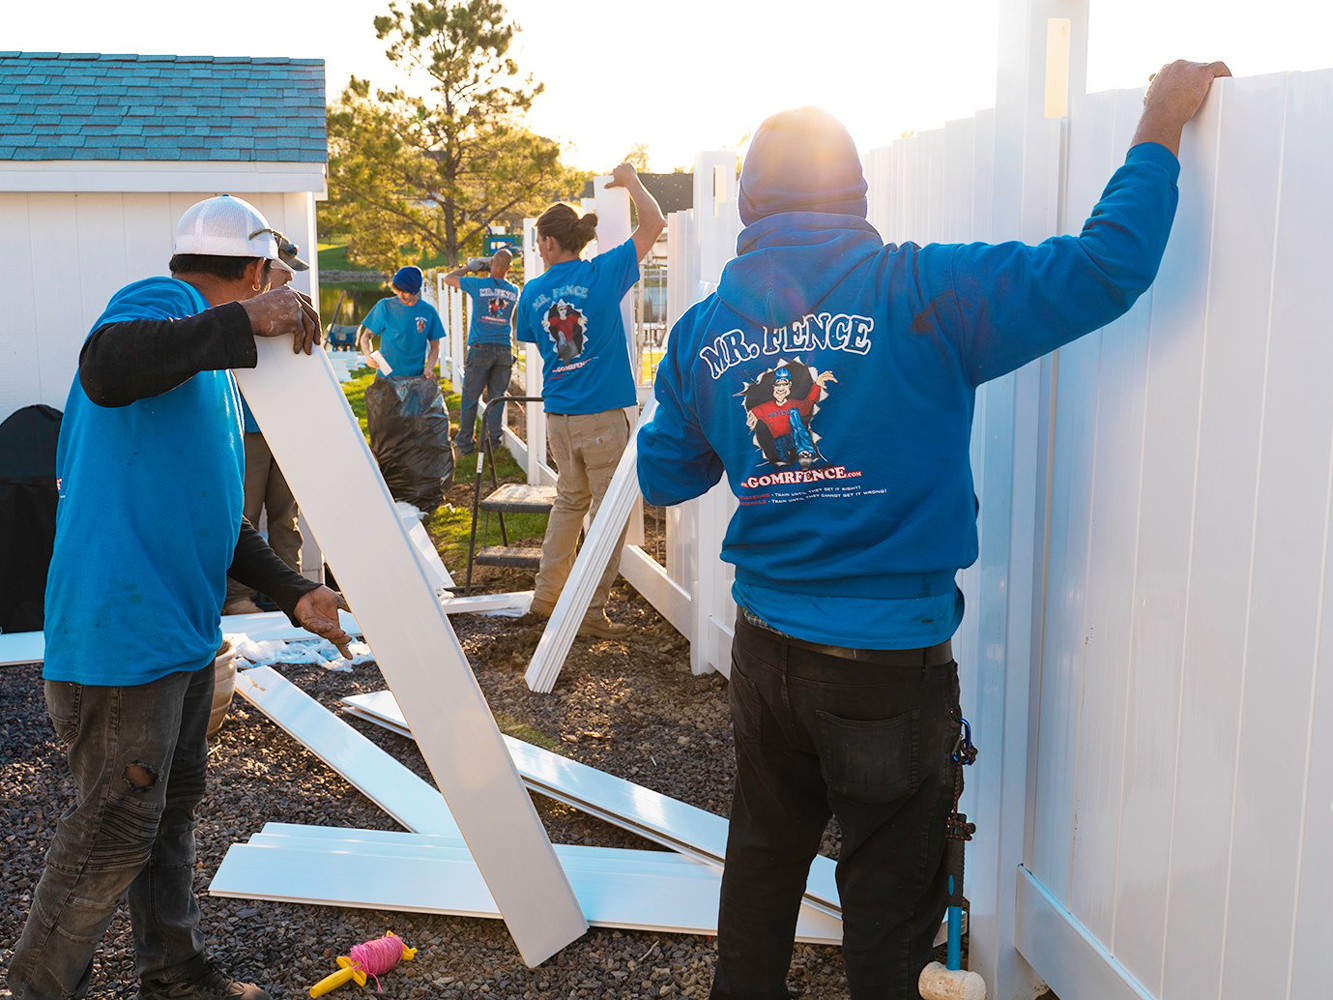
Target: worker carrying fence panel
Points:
(832, 380)
(149, 524)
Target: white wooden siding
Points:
(63, 255)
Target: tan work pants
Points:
(586, 450)
(266, 489)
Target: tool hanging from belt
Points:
(958, 831)
(948, 981)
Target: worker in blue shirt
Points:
(571, 311)
(831, 379)
(148, 527)
(409, 329)
(490, 350)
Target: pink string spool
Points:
(374, 957)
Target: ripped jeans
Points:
(138, 756)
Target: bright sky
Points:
(685, 75)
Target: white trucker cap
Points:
(225, 227)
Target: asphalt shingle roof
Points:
(674, 192)
(89, 106)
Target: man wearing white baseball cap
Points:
(148, 527)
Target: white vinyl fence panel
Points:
(1179, 817)
(1187, 567)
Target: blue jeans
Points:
(487, 367)
(799, 442)
(138, 756)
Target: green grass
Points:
(449, 527)
(333, 257)
(356, 394)
(529, 734)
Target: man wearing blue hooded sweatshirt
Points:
(832, 379)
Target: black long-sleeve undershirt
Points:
(122, 363)
(256, 565)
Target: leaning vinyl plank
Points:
(640, 810)
(595, 553)
(414, 645)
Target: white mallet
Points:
(939, 983)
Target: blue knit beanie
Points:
(802, 160)
(408, 279)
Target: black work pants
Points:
(820, 735)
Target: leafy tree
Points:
(638, 157)
(416, 176)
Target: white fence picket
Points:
(1249, 157)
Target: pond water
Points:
(356, 301)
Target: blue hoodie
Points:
(832, 379)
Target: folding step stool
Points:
(511, 498)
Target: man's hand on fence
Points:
(1174, 97)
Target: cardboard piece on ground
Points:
(617, 888)
(415, 647)
(652, 815)
(594, 554)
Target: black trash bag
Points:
(409, 434)
(27, 514)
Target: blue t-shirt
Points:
(403, 332)
(492, 307)
(572, 313)
(248, 421)
(148, 518)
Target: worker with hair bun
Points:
(572, 313)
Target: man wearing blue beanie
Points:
(832, 380)
(409, 329)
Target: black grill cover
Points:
(27, 514)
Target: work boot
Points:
(541, 608)
(598, 626)
(212, 983)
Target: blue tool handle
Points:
(954, 959)
(953, 860)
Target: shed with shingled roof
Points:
(99, 156)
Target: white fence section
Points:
(1179, 837)
(1144, 645)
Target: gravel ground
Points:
(631, 709)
